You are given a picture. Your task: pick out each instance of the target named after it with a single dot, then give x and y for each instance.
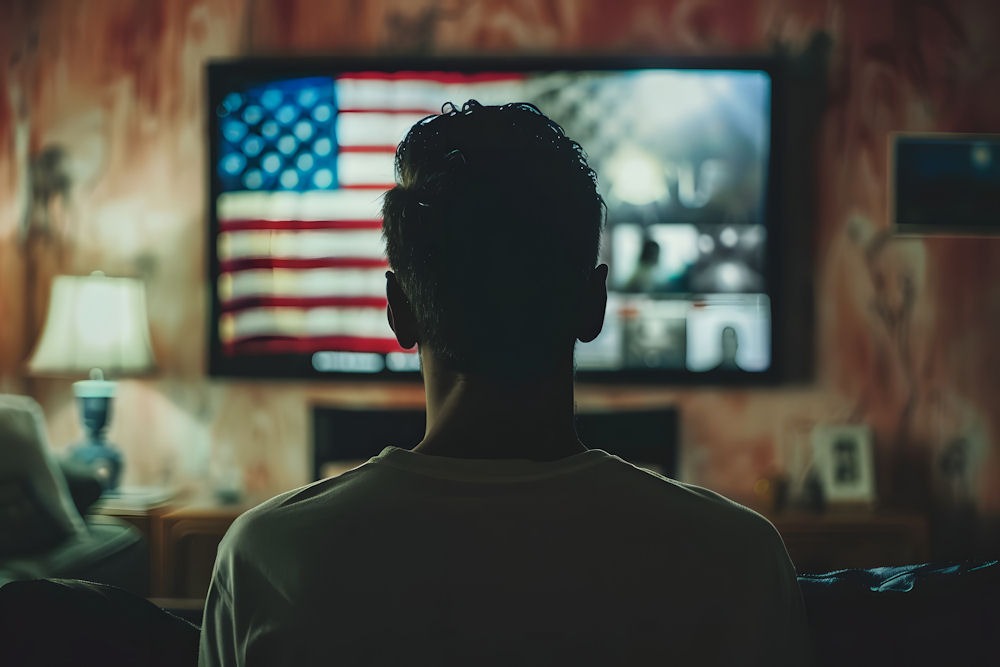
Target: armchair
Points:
(42, 530)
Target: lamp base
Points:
(102, 458)
(95, 398)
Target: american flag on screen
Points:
(303, 165)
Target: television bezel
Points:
(224, 74)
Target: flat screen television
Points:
(945, 183)
(301, 152)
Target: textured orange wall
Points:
(105, 100)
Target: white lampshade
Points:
(94, 322)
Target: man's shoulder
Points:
(707, 513)
(694, 498)
(741, 522)
(729, 511)
(286, 516)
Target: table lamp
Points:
(97, 325)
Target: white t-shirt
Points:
(414, 559)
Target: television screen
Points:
(302, 151)
(946, 183)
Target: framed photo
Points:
(844, 462)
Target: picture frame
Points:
(844, 462)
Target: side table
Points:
(862, 539)
(188, 539)
(145, 516)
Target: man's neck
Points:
(481, 418)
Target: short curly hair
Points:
(493, 230)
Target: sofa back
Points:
(913, 615)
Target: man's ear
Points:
(399, 313)
(593, 304)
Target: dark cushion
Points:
(58, 622)
(26, 526)
(84, 486)
(915, 615)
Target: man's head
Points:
(493, 233)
